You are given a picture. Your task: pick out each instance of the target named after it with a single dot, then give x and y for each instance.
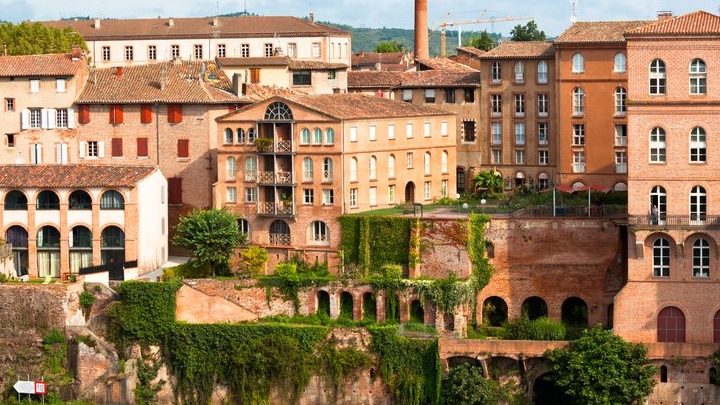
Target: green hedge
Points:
(373, 241)
(146, 311)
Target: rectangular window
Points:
(268, 50)
(198, 51)
(372, 196)
(175, 190)
(542, 105)
(543, 157)
(391, 131)
(292, 50)
(496, 133)
(152, 52)
(175, 51)
(61, 118)
(60, 85)
(232, 194)
(129, 53)
(497, 156)
(10, 140)
(221, 50)
(35, 117)
(519, 105)
(430, 96)
(106, 53)
(450, 96)
(496, 72)
(84, 114)
(145, 113)
(61, 153)
(142, 147)
(36, 153)
(250, 194)
(308, 196)
(316, 51)
(302, 78)
(621, 135)
(409, 157)
(174, 112)
(658, 146)
(183, 148)
(34, 85)
(469, 95)
(115, 114)
(469, 131)
(245, 50)
(496, 105)
(9, 104)
(407, 95)
(255, 75)
(391, 194)
(427, 186)
(353, 134)
(578, 134)
(332, 74)
(621, 162)
(372, 132)
(542, 133)
(426, 130)
(519, 133)
(409, 130)
(353, 198)
(578, 162)
(116, 147)
(93, 149)
(519, 157)
(444, 188)
(519, 72)
(328, 196)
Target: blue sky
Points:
(553, 16)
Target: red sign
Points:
(40, 388)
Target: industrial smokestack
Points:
(421, 30)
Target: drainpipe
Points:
(157, 133)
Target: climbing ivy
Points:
(294, 274)
(145, 313)
(373, 241)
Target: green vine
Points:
(147, 370)
(374, 241)
(293, 275)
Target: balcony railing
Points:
(275, 177)
(664, 221)
(282, 209)
(251, 176)
(284, 146)
(280, 239)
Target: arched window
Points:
(658, 204)
(112, 246)
(279, 233)
(661, 258)
(278, 111)
(391, 166)
(543, 181)
(304, 136)
(657, 145)
(308, 170)
(663, 374)
(620, 63)
(578, 101)
(698, 77)
(574, 312)
(444, 162)
(657, 77)
(671, 325)
(578, 63)
(317, 136)
(494, 311)
(698, 204)
(240, 136)
(244, 228)
(112, 200)
(698, 145)
(79, 200)
(17, 236)
(251, 135)
(329, 136)
(534, 308)
(353, 169)
(620, 98)
(373, 168)
(327, 169)
(250, 169)
(496, 72)
(48, 200)
(318, 233)
(519, 72)
(427, 163)
(229, 136)
(460, 174)
(16, 201)
(701, 258)
(48, 252)
(80, 248)
(542, 72)
(230, 168)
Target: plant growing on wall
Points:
(211, 235)
(264, 144)
(252, 261)
(465, 384)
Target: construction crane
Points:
(444, 25)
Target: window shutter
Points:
(111, 112)
(44, 118)
(51, 118)
(64, 152)
(33, 155)
(71, 118)
(38, 153)
(81, 149)
(183, 148)
(117, 150)
(175, 190)
(58, 154)
(146, 114)
(142, 147)
(101, 149)
(25, 119)
(84, 114)
(174, 112)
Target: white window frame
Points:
(620, 101)
(496, 100)
(578, 161)
(409, 159)
(427, 133)
(231, 194)
(542, 105)
(620, 63)
(409, 130)
(427, 190)
(519, 156)
(444, 156)
(61, 85)
(661, 258)
(391, 194)
(578, 102)
(353, 198)
(620, 135)
(427, 160)
(34, 85)
(657, 77)
(578, 134)
(496, 72)
(391, 131)
(620, 161)
(308, 169)
(658, 145)
(698, 145)
(542, 72)
(372, 196)
(129, 53)
(701, 255)
(698, 77)
(353, 133)
(543, 157)
(372, 168)
(543, 133)
(519, 104)
(520, 138)
(391, 166)
(578, 63)
(372, 132)
(519, 72)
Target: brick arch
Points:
(671, 325)
(688, 241)
(66, 196)
(20, 224)
(650, 239)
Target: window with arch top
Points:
(620, 65)
(112, 200)
(578, 101)
(542, 72)
(578, 63)
(657, 145)
(661, 258)
(278, 111)
(15, 200)
(698, 145)
(48, 200)
(671, 325)
(657, 77)
(701, 258)
(319, 233)
(698, 77)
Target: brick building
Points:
(386, 61)
(38, 119)
(61, 218)
(518, 113)
(114, 42)
(591, 74)
(322, 156)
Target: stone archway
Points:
(410, 192)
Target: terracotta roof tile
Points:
(445, 64)
(425, 78)
(357, 106)
(228, 27)
(471, 50)
(597, 32)
(291, 63)
(257, 92)
(521, 50)
(696, 23)
(374, 79)
(72, 176)
(60, 64)
(186, 82)
(389, 61)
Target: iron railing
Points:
(662, 220)
(279, 239)
(276, 209)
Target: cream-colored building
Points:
(322, 156)
(114, 42)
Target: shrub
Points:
(54, 336)
(466, 385)
(191, 269)
(537, 329)
(252, 261)
(145, 313)
(87, 299)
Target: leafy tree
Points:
(389, 46)
(211, 235)
(28, 38)
(466, 385)
(490, 181)
(484, 41)
(527, 32)
(601, 368)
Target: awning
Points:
(569, 189)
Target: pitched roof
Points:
(424, 78)
(203, 27)
(521, 50)
(597, 32)
(471, 50)
(195, 82)
(258, 92)
(390, 61)
(281, 61)
(696, 23)
(58, 64)
(72, 176)
(445, 64)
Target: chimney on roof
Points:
(421, 30)
(97, 24)
(119, 72)
(311, 17)
(216, 22)
(171, 22)
(76, 53)
(664, 15)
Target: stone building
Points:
(114, 42)
(591, 92)
(61, 218)
(518, 113)
(290, 166)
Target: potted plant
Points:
(264, 144)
